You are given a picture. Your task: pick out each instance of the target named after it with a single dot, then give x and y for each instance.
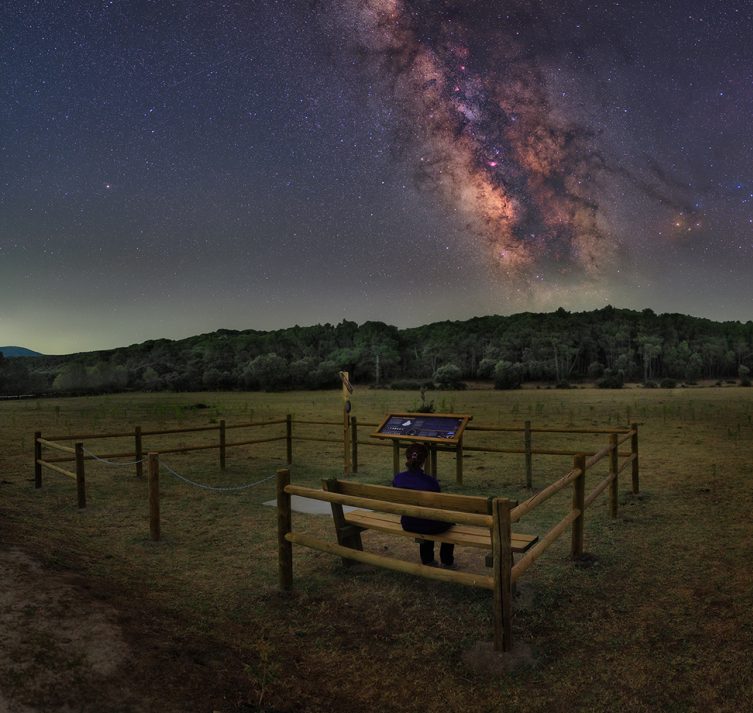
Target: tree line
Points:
(608, 347)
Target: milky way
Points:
(482, 131)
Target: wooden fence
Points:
(527, 449)
(79, 455)
(138, 436)
(501, 584)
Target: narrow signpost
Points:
(347, 391)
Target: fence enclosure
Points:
(79, 454)
(505, 572)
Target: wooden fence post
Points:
(459, 462)
(80, 480)
(502, 563)
(289, 438)
(614, 464)
(153, 478)
(284, 526)
(222, 444)
(37, 458)
(634, 449)
(395, 457)
(354, 443)
(139, 449)
(433, 459)
(579, 503)
(529, 454)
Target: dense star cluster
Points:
(408, 161)
(484, 132)
(547, 125)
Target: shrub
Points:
(269, 370)
(448, 377)
(611, 379)
(595, 370)
(486, 369)
(668, 383)
(507, 375)
(649, 384)
(694, 368)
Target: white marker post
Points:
(347, 391)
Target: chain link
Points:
(112, 462)
(223, 488)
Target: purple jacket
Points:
(418, 480)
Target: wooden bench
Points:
(349, 525)
(464, 535)
(483, 523)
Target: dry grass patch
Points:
(660, 619)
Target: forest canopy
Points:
(608, 346)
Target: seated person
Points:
(414, 478)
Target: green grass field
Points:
(661, 620)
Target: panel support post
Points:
(459, 462)
(354, 442)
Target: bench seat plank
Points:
(466, 535)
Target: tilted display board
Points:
(444, 428)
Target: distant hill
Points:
(10, 352)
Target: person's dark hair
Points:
(415, 456)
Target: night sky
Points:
(171, 168)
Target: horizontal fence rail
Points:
(526, 449)
(618, 436)
(430, 513)
(138, 434)
(56, 468)
(78, 456)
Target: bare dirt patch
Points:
(54, 637)
(68, 644)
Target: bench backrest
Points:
(443, 501)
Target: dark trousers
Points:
(446, 552)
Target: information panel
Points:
(429, 427)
